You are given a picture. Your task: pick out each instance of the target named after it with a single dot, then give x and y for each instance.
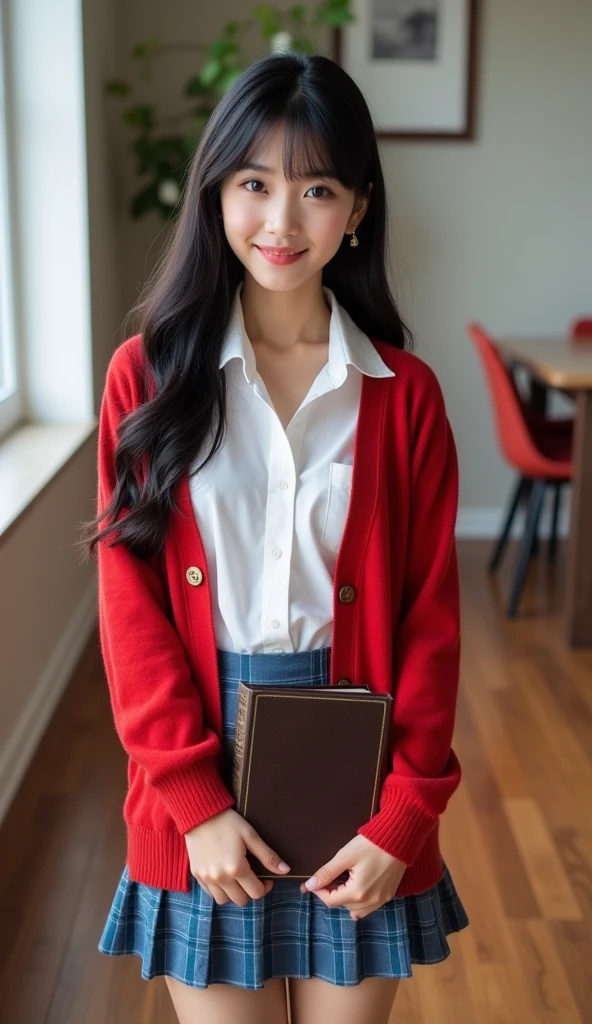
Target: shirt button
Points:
(277, 553)
(194, 576)
(346, 594)
(284, 484)
(275, 623)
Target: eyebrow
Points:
(320, 172)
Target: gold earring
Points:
(353, 240)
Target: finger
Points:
(218, 893)
(358, 912)
(268, 857)
(331, 887)
(254, 887)
(236, 892)
(329, 871)
(342, 897)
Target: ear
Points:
(360, 207)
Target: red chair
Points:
(539, 448)
(580, 333)
(581, 329)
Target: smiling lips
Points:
(279, 255)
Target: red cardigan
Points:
(399, 634)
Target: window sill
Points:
(30, 459)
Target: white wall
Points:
(102, 60)
(498, 230)
(48, 598)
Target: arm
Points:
(155, 703)
(426, 647)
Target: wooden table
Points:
(561, 363)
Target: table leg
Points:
(578, 580)
(539, 394)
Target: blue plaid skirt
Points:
(285, 933)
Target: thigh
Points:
(370, 1002)
(219, 1003)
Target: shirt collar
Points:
(347, 344)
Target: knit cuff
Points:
(193, 795)
(400, 827)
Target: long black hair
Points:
(184, 309)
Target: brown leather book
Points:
(308, 767)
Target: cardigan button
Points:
(194, 576)
(346, 594)
(343, 682)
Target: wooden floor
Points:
(517, 837)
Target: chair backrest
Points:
(581, 329)
(513, 435)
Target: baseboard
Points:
(18, 752)
(486, 523)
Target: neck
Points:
(285, 319)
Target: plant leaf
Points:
(118, 87)
(269, 20)
(140, 116)
(227, 78)
(145, 200)
(148, 48)
(297, 13)
(195, 87)
(210, 71)
(302, 45)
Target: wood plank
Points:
(522, 734)
(549, 881)
(550, 995)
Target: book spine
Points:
(383, 752)
(239, 746)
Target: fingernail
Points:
(311, 882)
(283, 866)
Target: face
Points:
(261, 209)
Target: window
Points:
(10, 399)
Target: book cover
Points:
(308, 766)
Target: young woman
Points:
(279, 483)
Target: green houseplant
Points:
(162, 147)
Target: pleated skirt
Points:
(286, 933)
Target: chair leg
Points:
(535, 505)
(552, 548)
(496, 557)
(536, 539)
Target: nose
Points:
(281, 218)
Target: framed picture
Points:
(415, 62)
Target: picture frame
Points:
(415, 62)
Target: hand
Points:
(374, 878)
(217, 858)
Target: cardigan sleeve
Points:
(156, 706)
(425, 771)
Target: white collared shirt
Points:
(271, 504)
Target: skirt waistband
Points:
(287, 667)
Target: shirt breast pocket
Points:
(340, 480)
